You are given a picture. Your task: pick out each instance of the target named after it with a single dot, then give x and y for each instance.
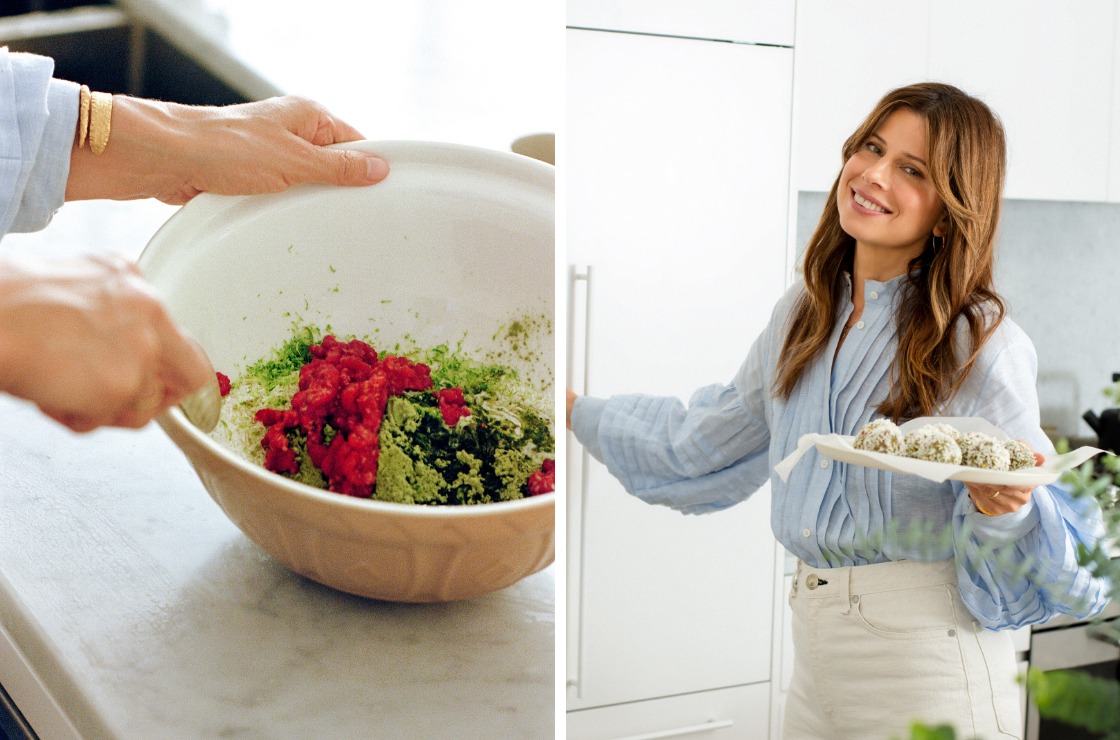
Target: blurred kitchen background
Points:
(438, 70)
(702, 138)
(482, 74)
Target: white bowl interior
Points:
(457, 243)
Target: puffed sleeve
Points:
(38, 117)
(1042, 536)
(697, 459)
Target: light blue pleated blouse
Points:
(38, 118)
(724, 445)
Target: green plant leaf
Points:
(919, 731)
(1077, 699)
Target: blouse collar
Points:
(875, 291)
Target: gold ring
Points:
(995, 494)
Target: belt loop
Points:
(846, 588)
(796, 578)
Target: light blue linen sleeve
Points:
(38, 118)
(697, 459)
(1045, 533)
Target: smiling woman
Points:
(897, 318)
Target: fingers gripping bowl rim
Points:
(456, 241)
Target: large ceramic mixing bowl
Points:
(457, 243)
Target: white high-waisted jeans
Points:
(877, 646)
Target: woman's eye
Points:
(874, 148)
(911, 171)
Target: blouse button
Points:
(859, 325)
(824, 463)
(874, 295)
(806, 532)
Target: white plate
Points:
(839, 447)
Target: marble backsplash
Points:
(1058, 267)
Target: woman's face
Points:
(886, 197)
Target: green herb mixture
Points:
(488, 456)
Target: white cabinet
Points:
(1114, 117)
(1048, 70)
(671, 604)
(677, 199)
(1047, 73)
(846, 61)
(727, 714)
(752, 21)
(677, 195)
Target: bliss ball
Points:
(1021, 454)
(880, 435)
(930, 443)
(949, 430)
(968, 440)
(981, 451)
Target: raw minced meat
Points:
(436, 427)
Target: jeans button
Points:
(811, 581)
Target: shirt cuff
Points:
(1006, 528)
(586, 414)
(46, 187)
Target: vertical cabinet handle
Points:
(575, 277)
(681, 731)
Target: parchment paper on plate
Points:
(839, 447)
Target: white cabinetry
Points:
(751, 21)
(1048, 70)
(726, 714)
(677, 201)
(845, 63)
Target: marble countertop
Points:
(146, 614)
(132, 609)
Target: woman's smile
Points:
(868, 204)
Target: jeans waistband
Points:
(873, 578)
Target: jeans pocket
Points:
(892, 658)
(913, 613)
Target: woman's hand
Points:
(174, 152)
(89, 342)
(568, 414)
(997, 500)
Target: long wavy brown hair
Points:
(949, 289)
